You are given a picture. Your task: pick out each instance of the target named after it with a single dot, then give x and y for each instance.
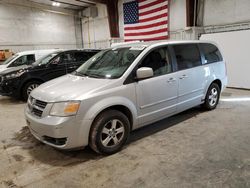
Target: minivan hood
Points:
(68, 87)
(3, 68)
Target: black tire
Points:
(27, 88)
(212, 99)
(103, 124)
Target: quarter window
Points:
(187, 56)
(211, 53)
(158, 60)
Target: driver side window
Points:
(158, 60)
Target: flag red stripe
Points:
(148, 39)
(140, 1)
(151, 4)
(153, 18)
(153, 10)
(147, 26)
(146, 33)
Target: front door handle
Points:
(171, 80)
(183, 76)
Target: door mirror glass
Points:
(144, 72)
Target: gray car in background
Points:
(122, 89)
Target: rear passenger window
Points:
(187, 56)
(211, 53)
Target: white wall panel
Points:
(23, 28)
(220, 12)
(235, 47)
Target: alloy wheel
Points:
(112, 133)
(213, 97)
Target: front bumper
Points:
(10, 88)
(59, 132)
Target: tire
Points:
(28, 88)
(109, 132)
(212, 97)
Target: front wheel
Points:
(109, 132)
(30, 86)
(212, 97)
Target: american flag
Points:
(145, 20)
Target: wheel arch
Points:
(218, 82)
(121, 108)
(31, 79)
(27, 81)
(121, 104)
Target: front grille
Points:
(36, 107)
(41, 104)
(37, 112)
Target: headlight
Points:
(13, 75)
(65, 108)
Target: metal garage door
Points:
(235, 47)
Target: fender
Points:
(101, 105)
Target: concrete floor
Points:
(192, 149)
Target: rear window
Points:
(211, 53)
(187, 56)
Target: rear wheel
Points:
(212, 97)
(109, 132)
(30, 86)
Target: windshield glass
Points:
(45, 59)
(9, 59)
(110, 63)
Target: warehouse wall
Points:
(177, 16)
(227, 22)
(25, 28)
(96, 30)
(226, 12)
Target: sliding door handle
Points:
(183, 76)
(171, 80)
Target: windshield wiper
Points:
(80, 74)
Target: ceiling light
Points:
(56, 4)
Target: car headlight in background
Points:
(65, 108)
(13, 75)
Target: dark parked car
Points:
(18, 82)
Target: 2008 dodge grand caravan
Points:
(124, 88)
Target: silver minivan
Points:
(124, 88)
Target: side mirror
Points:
(144, 72)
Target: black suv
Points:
(19, 81)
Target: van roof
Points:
(37, 51)
(158, 43)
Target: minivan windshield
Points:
(110, 63)
(7, 61)
(45, 59)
